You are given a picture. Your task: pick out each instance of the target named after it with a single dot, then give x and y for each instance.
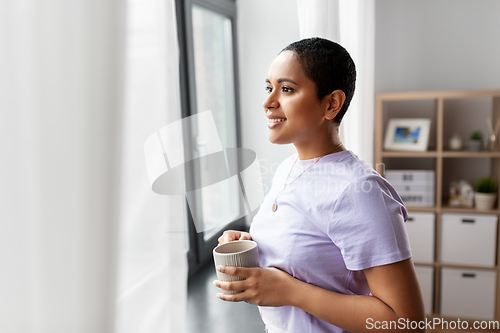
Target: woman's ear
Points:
(335, 101)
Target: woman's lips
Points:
(272, 124)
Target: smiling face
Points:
(295, 114)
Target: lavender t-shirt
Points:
(335, 220)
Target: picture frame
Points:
(407, 134)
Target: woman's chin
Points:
(277, 140)
(273, 138)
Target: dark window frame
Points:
(200, 251)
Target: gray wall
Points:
(419, 45)
(437, 45)
(265, 27)
(442, 45)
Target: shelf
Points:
(450, 112)
(418, 95)
(391, 153)
(488, 268)
(446, 154)
(426, 264)
(448, 209)
(429, 209)
(465, 154)
(439, 265)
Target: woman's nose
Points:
(270, 102)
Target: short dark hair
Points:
(329, 66)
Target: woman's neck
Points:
(320, 146)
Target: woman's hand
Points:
(267, 286)
(232, 235)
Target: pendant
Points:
(275, 207)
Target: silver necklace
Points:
(275, 204)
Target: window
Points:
(209, 82)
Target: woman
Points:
(333, 248)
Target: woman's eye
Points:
(269, 90)
(286, 89)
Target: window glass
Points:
(215, 91)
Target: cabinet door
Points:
(420, 229)
(425, 276)
(468, 293)
(469, 239)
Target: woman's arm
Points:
(395, 290)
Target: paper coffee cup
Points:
(241, 253)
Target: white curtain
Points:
(83, 240)
(152, 279)
(350, 23)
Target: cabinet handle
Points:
(468, 221)
(468, 275)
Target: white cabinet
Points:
(469, 239)
(425, 276)
(468, 293)
(461, 238)
(420, 228)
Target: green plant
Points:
(477, 135)
(486, 185)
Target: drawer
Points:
(425, 276)
(420, 229)
(468, 293)
(469, 239)
(408, 188)
(410, 176)
(417, 199)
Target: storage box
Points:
(417, 199)
(410, 176)
(469, 239)
(420, 229)
(415, 187)
(468, 293)
(401, 187)
(425, 276)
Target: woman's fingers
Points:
(229, 236)
(245, 235)
(242, 272)
(240, 297)
(240, 285)
(232, 235)
(221, 239)
(266, 286)
(233, 286)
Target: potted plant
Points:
(485, 195)
(476, 141)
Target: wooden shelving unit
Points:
(441, 160)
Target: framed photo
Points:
(407, 134)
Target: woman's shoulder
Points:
(348, 165)
(287, 162)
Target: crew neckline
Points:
(325, 157)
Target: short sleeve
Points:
(368, 224)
